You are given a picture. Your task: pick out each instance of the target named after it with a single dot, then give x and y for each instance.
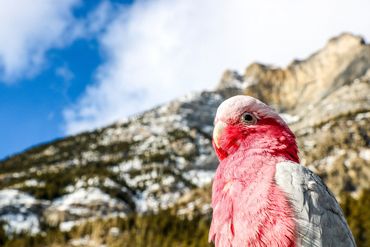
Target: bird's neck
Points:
(271, 140)
(281, 146)
(248, 166)
(259, 154)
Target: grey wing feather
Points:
(319, 218)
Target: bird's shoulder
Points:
(320, 220)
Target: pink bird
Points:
(261, 195)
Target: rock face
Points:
(163, 158)
(344, 59)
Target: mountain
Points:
(145, 180)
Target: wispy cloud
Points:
(65, 73)
(28, 29)
(157, 50)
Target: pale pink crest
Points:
(233, 107)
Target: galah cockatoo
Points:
(261, 195)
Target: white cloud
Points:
(65, 73)
(28, 29)
(158, 50)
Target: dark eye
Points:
(249, 118)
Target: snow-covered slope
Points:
(19, 211)
(145, 163)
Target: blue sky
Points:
(32, 108)
(70, 66)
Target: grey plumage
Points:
(318, 215)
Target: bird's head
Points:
(245, 123)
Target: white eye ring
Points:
(248, 118)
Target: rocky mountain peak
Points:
(343, 59)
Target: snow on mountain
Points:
(18, 211)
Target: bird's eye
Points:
(249, 118)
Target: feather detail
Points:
(319, 218)
(248, 208)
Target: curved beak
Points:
(217, 132)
